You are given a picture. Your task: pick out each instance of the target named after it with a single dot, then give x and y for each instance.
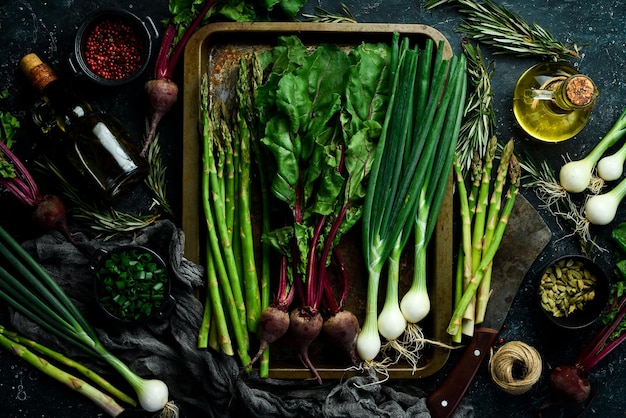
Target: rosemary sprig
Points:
(322, 15)
(480, 118)
(156, 176)
(106, 220)
(506, 31)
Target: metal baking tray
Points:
(215, 49)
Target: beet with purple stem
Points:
(341, 330)
(305, 324)
(570, 383)
(274, 320)
(49, 210)
(162, 91)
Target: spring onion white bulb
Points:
(415, 304)
(611, 167)
(575, 176)
(602, 208)
(153, 395)
(391, 322)
(368, 341)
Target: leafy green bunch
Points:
(184, 11)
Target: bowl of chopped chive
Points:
(112, 46)
(132, 284)
(573, 291)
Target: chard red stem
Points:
(313, 291)
(23, 187)
(331, 303)
(160, 67)
(601, 337)
(597, 349)
(328, 245)
(344, 275)
(282, 280)
(180, 45)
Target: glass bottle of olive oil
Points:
(552, 102)
(96, 145)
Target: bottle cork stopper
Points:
(580, 90)
(38, 73)
(29, 61)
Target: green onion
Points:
(30, 289)
(38, 356)
(425, 142)
(130, 285)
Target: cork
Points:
(580, 90)
(38, 73)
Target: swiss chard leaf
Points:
(307, 101)
(323, 113)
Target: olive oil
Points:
(97, 145)
(552, 102)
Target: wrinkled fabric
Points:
(167, 349)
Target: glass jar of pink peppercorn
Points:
(112, 46)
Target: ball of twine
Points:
(515, 367)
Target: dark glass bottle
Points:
(97, 145)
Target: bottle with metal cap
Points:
(96, 144)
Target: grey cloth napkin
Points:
(210, 381)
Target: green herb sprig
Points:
(506, 31)
(480, 118)
(323, 15)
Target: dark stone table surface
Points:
(48, 28)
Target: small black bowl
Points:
(112, 47)
(114, 277)
(559, 280)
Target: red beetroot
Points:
(162, 95)
(305, 324)
(341, 330)
(273, 324)
(570, 383)
(49, 210)
(50, 214)
(162, 91)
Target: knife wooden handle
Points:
(444, 400)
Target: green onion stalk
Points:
(27, 350)
(27, 287)
(397, 189)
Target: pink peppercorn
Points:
(113, 49)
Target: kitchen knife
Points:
(525, 237)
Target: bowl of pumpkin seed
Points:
(573, 291)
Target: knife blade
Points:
(525, 238)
